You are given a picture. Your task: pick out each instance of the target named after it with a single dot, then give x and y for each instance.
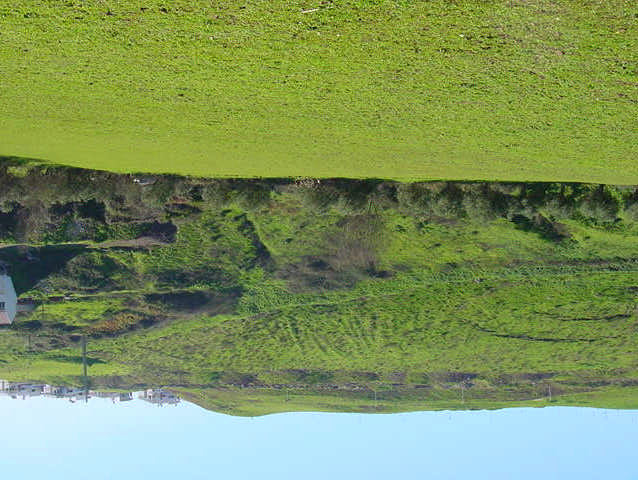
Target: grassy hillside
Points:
(254, 401)
(245, 293)
(507, 90)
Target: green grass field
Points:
(508, 90)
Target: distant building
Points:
(124, 397)
(22, 390)
(71, 393)
(116, 397)
(8, 300)
(159, 397)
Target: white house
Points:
(8, 300)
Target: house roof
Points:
(5, 319)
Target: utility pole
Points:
(84, 367)
(85, 374)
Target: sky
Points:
(54, 439)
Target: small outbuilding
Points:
(8, 300)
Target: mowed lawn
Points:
(493, 89)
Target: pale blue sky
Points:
(53, 439)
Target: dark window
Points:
(1, 306)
